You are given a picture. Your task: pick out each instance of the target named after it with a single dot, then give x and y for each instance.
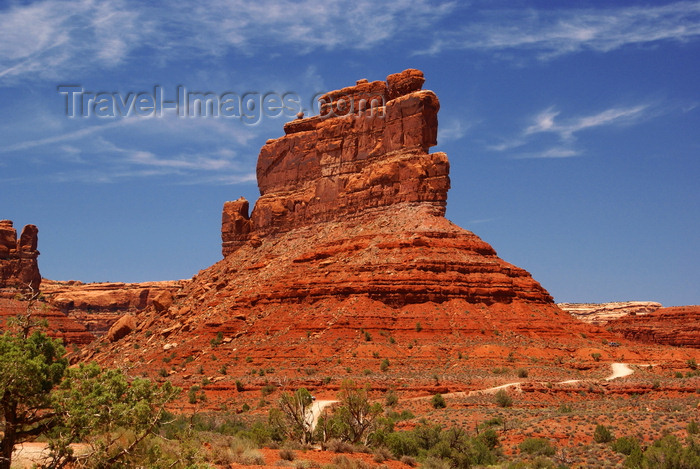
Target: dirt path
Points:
(316, 410)
(619, 370)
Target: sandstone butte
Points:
(19, 270)
(347, 256)
(20, 278)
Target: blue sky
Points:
(572, 127)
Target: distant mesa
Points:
(601, 313)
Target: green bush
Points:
(602, 434)
(385, 365)
(522, 373)
(391, 398)
(625, 445)
(438, 401)
(503, 399)
(537, 447)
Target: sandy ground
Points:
(29, 453)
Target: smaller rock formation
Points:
(19, 270)
(601, 313)
(121, 328)
(676, 325)
(99, 305)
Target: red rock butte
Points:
(349, 238)
(368, 200)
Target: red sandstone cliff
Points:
(348, 241)
(99, 305)
(676, 325)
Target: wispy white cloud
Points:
(554, 152)
(46, 38)
(545, 121)
(553, 33)
(453, 129)
(566, 129)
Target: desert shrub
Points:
(565, 409)
(287, 454)
(216, 341)
(368, 336)
(192, 396)
(239, 386)
(267, 390)
(403, 444)
(391, 398)
(596, 356)
(602, 434)
(669, 453)
(537, 447)
(385, 365)
(489, 437)
(692, 364)
(409, 461)
(338, 446)
(693, 428)
(343, 462)
(503, 399)
(438, 401)
(419, 327)
(625, 445)
(522, 373)
(381, 454)
(432, 462)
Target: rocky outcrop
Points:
(59, 325)
(344, 161)
(601, 313)
(19, 271)
(676, 325)
(99, 305)
(347, 244)
(121, 328)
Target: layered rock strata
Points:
(59, 325)
(601, 313)
(19, 270)
(676, 325)
(348, 243)
(99, 305)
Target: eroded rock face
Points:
(358, 187)
(676, 325)
(19, 270)
(99, 305)
(349, 240)
(346, 160)
(601, 313)
(59, 325)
